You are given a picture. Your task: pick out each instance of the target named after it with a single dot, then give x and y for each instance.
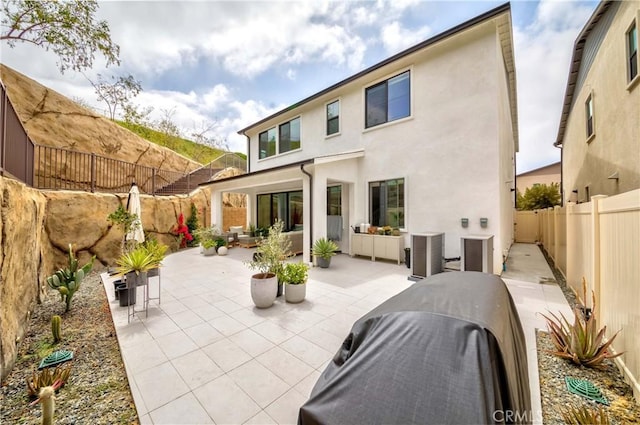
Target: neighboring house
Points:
(418, 142)
(548, 174)
(600, 124)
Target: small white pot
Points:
(264, 291)
(295, 293)
(209, 251)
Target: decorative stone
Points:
(223, 250)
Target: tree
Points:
(133, 115)
(117, 93)
(538, 197)
(68, 28)
(168, 128)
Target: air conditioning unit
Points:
(476, 253)
(427, 254)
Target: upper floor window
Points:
(386, 203)
(267, 142)
(589, 115)
(286, 139)
(333, 117)
(389, 100)
(289, 136)
(632, 51)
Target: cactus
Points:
(47, 377)
(56, 322)
(67, 281)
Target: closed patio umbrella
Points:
(133, 206)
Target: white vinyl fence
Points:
(600, 241)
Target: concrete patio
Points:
(206, 355)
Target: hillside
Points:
(51, 119)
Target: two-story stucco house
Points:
(417, 142)
(599, 129)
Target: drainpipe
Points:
(248, 152)
(310, 204)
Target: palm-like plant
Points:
(580, 342)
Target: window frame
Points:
(280, 139)
(402, 219)
(590, 117)
(289, 220)
(385, 83)
(629, 56)
(337, 118)
(277, 130)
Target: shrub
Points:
(580, 342)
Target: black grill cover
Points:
(447, 350)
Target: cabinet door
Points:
(367, 245)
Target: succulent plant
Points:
(585, 416)
(324, 248)
(580, 342)
(68, 280)
(56, 322)
(47, 377)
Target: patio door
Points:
(334, 209)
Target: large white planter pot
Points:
(295, 293)
(263, 291)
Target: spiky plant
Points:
(584, 415)
(580, 342)
(67, 281)
(56, 324)
(47, 377)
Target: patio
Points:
(207, 355)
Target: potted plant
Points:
(207, 237)
(295, 277)
(267, 260)
(209, 247)
(133, 266)
(157, 252)
(323, 249)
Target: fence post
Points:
(153, 181)
(595, 252)
(571, 242)
(93, 172)
(556, 239)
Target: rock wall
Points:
(24, 256)
(36, 228)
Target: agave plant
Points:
(580, 342)
(585, 416)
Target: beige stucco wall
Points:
(36, 228)
(545, 175)
(616, 144)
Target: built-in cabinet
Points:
(378, 246)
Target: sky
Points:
(233, 63)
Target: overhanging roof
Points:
(506, 44)
(574, 69)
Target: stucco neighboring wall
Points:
(616, 144)
(544, 175)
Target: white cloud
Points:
(395, 38)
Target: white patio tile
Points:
(286, 408)
(322, 338)
(208, 312)
(305, 386)
(196, 368)
(184, 410)
(262, 385)
(186, 319)
(146, 420)
(159, 326)
(133, 333)
(176, 344)
(160, 385)
(226, 354)
(261, 418)
(247, 317)
(227, 306)
(227, 325)
(225, 401)
(143, 356)
(172, 307)
(251, 342)
(271, 331)
(285, 365)
(306, 351)
(203, 334)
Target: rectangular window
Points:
(632, 51)
(285, 206)
(589, 115)
(386, 203)
(289, 136)
(389, 100)
(334, 200)
(333, 118)
(267, 143)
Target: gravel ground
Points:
(623, 408)
(97, 391)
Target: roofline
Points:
(574, 67)
(439, 37)
(539, 168)
(267, 170)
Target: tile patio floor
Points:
(206, 355)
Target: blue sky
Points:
(233, 63)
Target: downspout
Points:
(310, 204)
(248, 152)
